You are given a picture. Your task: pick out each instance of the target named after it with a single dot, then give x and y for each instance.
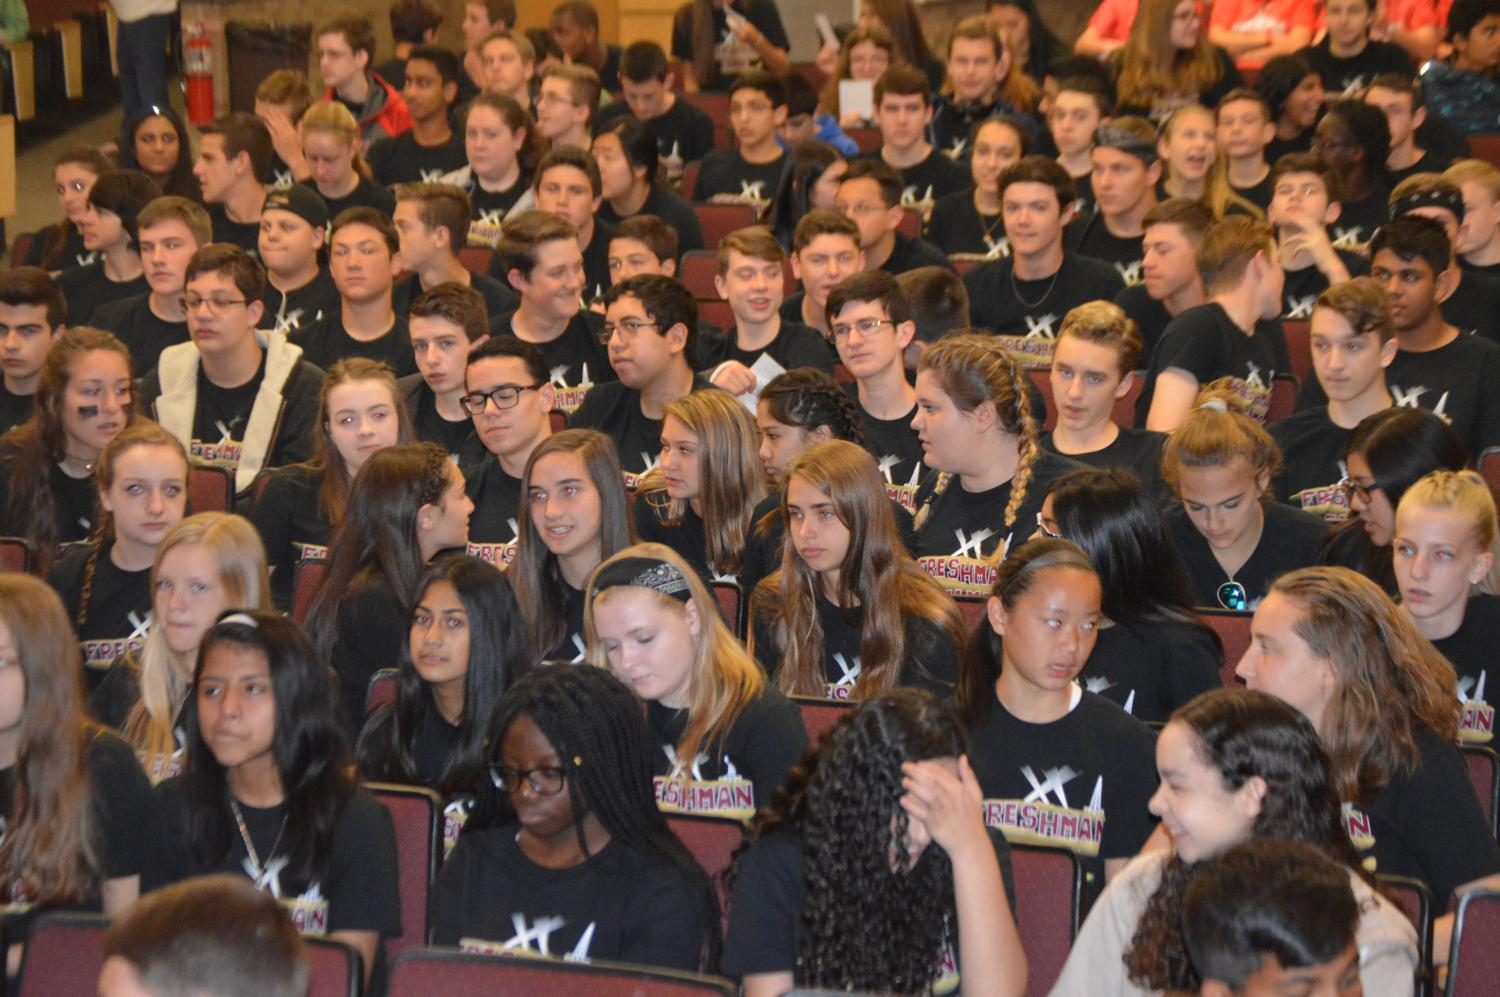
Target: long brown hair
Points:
(333, 495)
(876, 574)
(1151, 67)
(516, 118)
(877, 35)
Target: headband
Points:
(244, 619)
(644, 572)
(1436, 198)
(1115, 137)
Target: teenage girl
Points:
(1194, 164)
(330, 144)
(155, 141)
(60, 246)
(502, 147)
(810, 181)
(969, 222)
(1168, 62)
(867, 51)
(626, 151)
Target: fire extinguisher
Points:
(198, 70)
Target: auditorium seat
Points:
(1474, 960)
(1234, 632)
(426, 972)
(417, 814)
(819, 716)
(1049, 886)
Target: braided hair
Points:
(809, 398)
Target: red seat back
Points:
(1485, 147)
(975, 613)
(476, 259)
(868, 139)
(1283, 398)
(1234, 633)
(911, 223)
(1298, 347)
(718, 220)
(696, 272)
(712, 842)
(21, 248)
(14, 554)
(63, 955)
(333, 968)
(1049, 893)
(417, 814)
(1474, 960)
(716, 313)
(1414, 899)
(382, 690)
(690, 178)
(426, 972)
(307, 578)
(1489, 469)
(1484, 772)
(731, 599)
(820, 715)
(210, 489)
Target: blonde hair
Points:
(1213, 435)
(1475, 171)
(1468, 494)
(330, 117)
(724, 679)
(1105, 324)
(1218, 195)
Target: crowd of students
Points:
(526, 483)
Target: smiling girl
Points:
(60, 246)
(1194, 165)
(969, 222)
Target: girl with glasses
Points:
(1354, 139)
(589, 870)
(1233, 539)
(1168, 62)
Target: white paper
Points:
(765, 370)
(734, 18)
(857, 97)
(825, 30)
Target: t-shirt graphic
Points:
(533, 938)
(968, 573)
(1477, 726)
(684, 789)
(1045, 815)
(499, 553)
(308, 909)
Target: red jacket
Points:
(384, 114)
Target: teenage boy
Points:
(1127, 169)
(750, 278)
(109, 230)
(293, 229)
(568, 185)
(1399, 96)
(1347, 59)
(509, 65)
(1473, 299)
(1464, 90)
(482, 18)
(280, 101)
(510, 401)
(539, 256)
(1221, 338)
(684, 133)
(446, 323)
(566, 104)
(1170, 282)
(432, 222)
(32, 312)
(641, 244)
(170, 230)
(650, 325)
(235, 397)
(575, 29)
(1245, 128)
(869, 194)
(430, 148)
(977, 62)
(1302, 208)
(903, 110)
(1024, 297)
(1082, 104)
(346, 46)
(825, 251)
(233, 166)
(872, 328)
(364, 258)
(1353, 342)
(939, 306)
(749, 172)
(413, 23)
(1479, 239)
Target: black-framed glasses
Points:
(1048, 531)
(545, 781)
(505, 396)
(1353, 489)
(629, 327)
(865, 327)
(216, 306)
(1232, 597)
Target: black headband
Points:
(644, 572)
(1435, 198)
(1113, 137)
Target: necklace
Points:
(1015, 286)
(256, 870)
(71, 464)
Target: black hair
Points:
(793, 198)
(1368, 128)
(1280, 77)
(1070, 66)
(124, 193)
(1403, 445)
(1043, 43)
(666, 301)
(1465, 15)
(766, 83)
(1415, 237)
(801, 95)
(637, 141)
(644, 61)
(180, 181)
(884, 175)
(443, 60)
(808, 398)
(510, 346)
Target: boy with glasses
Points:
(869, 194)
(364, 259)
(748, 173)
(446, 324)
(566, 104)
(346, 47)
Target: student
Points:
(978, 432)
(567, 184)
(1235, 767)
(1253, 31)
(981, 82)
(1303, 207)
(1293, 91)
(903, 112)
(566, 103)
(939, 306)
(1233, 539)
(169, 231)
(264, 746)
(575, 28)
(1353, 342)
(502, 148)
(825, 251)
(1408, 801)
(446, 322)
(205, 565)
(844, 620)
(510, 400)
(155, 142)
(32, 312)
(406, 505)
(1443, 553)
(684, 132)
(573, 514)
(541, 258)
(509, 66)
(1170, 281)
(363, 258)
(60, 246)
(1399, 96)
(414, 23)
(432, 224)
(864, 54)
(654, 369)
(1108, 27)
(233, 165)
(218, 934)
(1126, 171)
(970, 222)
(1169, 61)
(1152, 654)
(1355, 141)
(237, 397)
(482, 18)
(109, 230)
(1222, 338)
(588, 856)
(360, 411)
(749, 172)
(809, 183)
(726, 737)
(346, 47)
(281, 99)
(642, 244)
(1193, 166)
(626, 152)
(1022, 297)
(82, 830)
(1057, 765)
(1461, 89)
(1472, 298)
(430, 148)
(299, 291)
(720, 53)
(1079, 107)
(1245, 129)
(1478, 245)
(339, 173)
(869, 193)
(941, 908)
(84, 397)
(142, 478)
(1348, 58)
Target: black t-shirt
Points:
(738, 773)
(1089, 236)
(596, 261)
(327, 342)
(897, 451)
(1471, 650)
(1358, 220)
(687, 536)
(220, 417)
(684, 134)
(137, 326)
(456, 436)
(86, 288)
(909, 254)
(924, 183)
(288, 312)
(1150, 316)
(958, 539)
(14, 409)
(576, 359)
(1205, 342)
(957, 227)
(1312, 463)
(366, 194)
(1259, 194)
(1301, 288)
(795, 345)
(497, 500)
(498, 297)
(725, 177)
(571, 649)
(403, 160)
(615, 410)
(1344, 76)
(490, 208)
(731, 57)
(619, 905)
(291, 524)
(1080, 783)
(371, 631)
(1427, 824)
(1457, 382)
(75, 499)
(1028, 313)
(1137, 450)
(1290, 539)
(1473, 305)
(1149, 669)
(246, 235)
(671, 208)
(1278, 147)
(1492, 269)
(1428, 162)
(111, 704)
(118, 611)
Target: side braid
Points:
(1023, 424)
(89, 567)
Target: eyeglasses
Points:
(1353, 489)
(1233, 598)
(216, 306)
(860, 208)
(1048, 531)
(865, 326)
(629, 329)
(546, 781)
(505, 396)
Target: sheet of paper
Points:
(825, 30)
(857, 97)
(765, 370)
